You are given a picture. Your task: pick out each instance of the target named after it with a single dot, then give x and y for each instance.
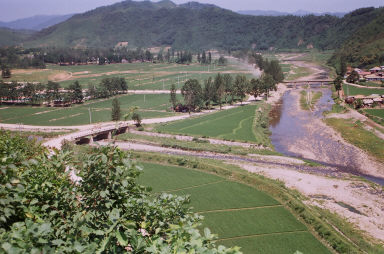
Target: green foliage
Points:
(53, 204)
(192, 94)
(353, 77)
(173, 96)
(364, 39)
(116, 111)
(137, 118)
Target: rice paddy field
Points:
(238, 214)
(150, 106)
(233, 124)
(139, 76)
(352, 90)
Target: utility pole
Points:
(90, 115)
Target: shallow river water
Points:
(302, 134)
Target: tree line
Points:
(53, 93)
(221, 89)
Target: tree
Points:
(267, 84)
(116, 112)
(241, 84)
(274, 69)
(219, 89)
(198, 58)
(173, 96)
(255, 87)
(192, 94)
(204, 58)
(52, 91)
(5, 72)
(338, 85)
(209, 57)
(137, 118)
(354, 77)
(222, 60)
(76, 93)
(228, 84)
(208, 92)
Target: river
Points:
(303, 134)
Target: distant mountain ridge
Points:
(296, 13)
(196, 26)
(35, 23)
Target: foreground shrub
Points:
(50, 203)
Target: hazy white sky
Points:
(15, 9)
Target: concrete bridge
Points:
(88, 136)
(95, 135)
(313, 83)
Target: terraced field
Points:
(234, 124)
(155, 105)
(239, 214)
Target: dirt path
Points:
(190, 138)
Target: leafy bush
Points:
(51, 204)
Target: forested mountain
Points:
(365, 44)
(191, 25)
(36, 22)
(13, 37)
(357, 37)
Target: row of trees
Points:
(16, 57)
(272, 67)
(52, 92)
(221, 89)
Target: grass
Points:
(241, 215)
(194, 145)
(375, 112)
(354, 133)
(244, 123)
(153, 106)
(371, 84)
(377, 115)
(297, 72)
(353, 90)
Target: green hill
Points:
(13, 37)
(191, 25)
(365, 44)
(358, 37)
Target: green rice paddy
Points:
(353, 90)
(233, 124)
(152, 106)
(239, 214)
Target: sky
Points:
(15, 9)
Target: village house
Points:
(375, 69)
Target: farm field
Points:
(239, 214)
(139, 76)
(352, 90)
(234, 124)
(155, 105)
(375, 112)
